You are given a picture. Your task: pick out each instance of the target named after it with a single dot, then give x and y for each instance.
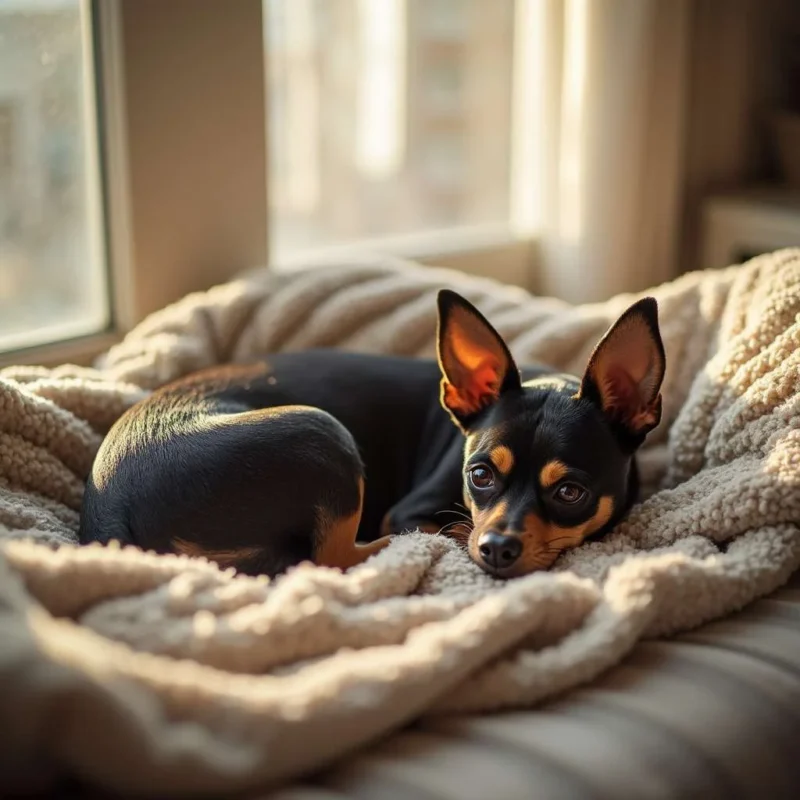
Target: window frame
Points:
(148, 269)
(83, 347)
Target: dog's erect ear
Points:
(626, 369)
(476, 364)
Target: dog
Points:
(324, 455)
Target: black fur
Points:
(247, 457)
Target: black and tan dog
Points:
(311, 456)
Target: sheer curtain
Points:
(610, 95)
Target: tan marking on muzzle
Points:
(543, 542)
(467, 497)
(485, 520)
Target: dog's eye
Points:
(570, 493)
(481, 478)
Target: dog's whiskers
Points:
(460, 514)
(458, 524)
(458, 530)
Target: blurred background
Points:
(578, 148)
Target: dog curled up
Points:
(323, 456)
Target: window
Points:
(386, 117)
(52, 269)
(384, 124)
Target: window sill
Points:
(82, 352)
(491, 251)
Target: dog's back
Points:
(251, 465)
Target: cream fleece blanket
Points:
(165, 674)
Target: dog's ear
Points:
(625, 372)
(476, 364)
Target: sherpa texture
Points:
(165, 674)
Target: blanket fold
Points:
(169, 675)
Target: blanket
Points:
(166, 674)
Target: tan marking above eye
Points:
(552, 472)
(502, 457)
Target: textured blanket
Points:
(166, 674)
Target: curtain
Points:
(607, 146)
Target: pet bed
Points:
(167, 675)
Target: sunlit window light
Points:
(302, 168)
(380, 134)
(571, 162)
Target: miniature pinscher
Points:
(322, 456)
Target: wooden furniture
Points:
(745, 224)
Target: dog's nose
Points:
(499, 550)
